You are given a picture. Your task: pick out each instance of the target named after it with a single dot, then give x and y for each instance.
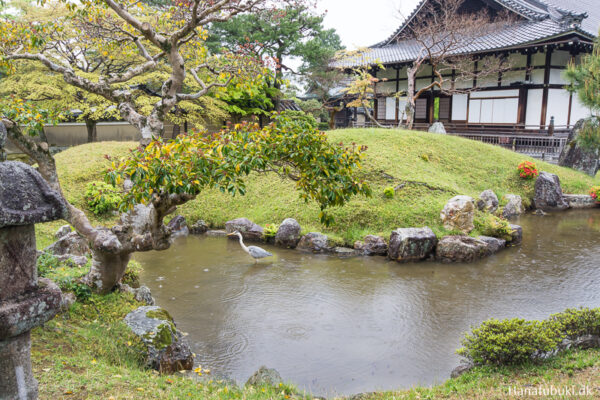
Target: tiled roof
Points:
(542, 20)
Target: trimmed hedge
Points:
(515, 341)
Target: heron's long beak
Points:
(231, 234)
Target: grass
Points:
(429, 168)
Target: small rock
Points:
(488, 201)
(460, 249)
(513, 207)
(586, 342)
(248, 229)
(127, 185)
(461, 369)
(315, 242)
(580, 201)
(494, 245)
(411, 244)
(71, 244)
(265, 377)
(63, 231)
(77, 260)
(548, 193)
(68, 299)
(168, 352)
(437, 127)
(372, 246)
(141, 294)
(216, 233)
(288, 234)
(345, 252)
(458, 214)
(199, 228)
(178, 227)
(539, 212)
(517, 234)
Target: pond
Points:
(344, 326)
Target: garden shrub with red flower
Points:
(527, 170)
(595, 193)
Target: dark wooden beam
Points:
(544, 113)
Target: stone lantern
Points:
(25, 300)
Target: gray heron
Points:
(254, 251)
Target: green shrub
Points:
(47, 263)
(490, 225)
(102, 198)
(578, 322)
(270, 231)
(302, 118)
(323, 126)
(510, 341)
(389, 192)
(588, 136)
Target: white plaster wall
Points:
(534, 108)
(558, 106)
(390, 108)
(459, 107)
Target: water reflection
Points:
(353, 325)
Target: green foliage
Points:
(185, 166)
(389, 192)
(585, 78)
(132, 274)
(304, 120)
(270, 231)
(324, 126)
(510, 341)
(488, 224)
(588, 136)
(66, 275)
(102, 198)
(316, 109)
(27, 114)
(578, 322)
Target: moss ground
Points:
(428, 168)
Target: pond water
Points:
(344, 326)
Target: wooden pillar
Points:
(545, 92)
(397, 101)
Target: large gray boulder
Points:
(460, 249)
(178, 227)
(411, 244)
(513, 207)
(288, 234)
(437, 127)
(265, 377)
(459, 213)
(494, 245)
(574, 156)
(199, 228)
(548, 193)
(516, 235)
(315, 242)
(168, 352)
(488, 201)
(372, 246)
(248, 229)
(69, 244)
(63, 231)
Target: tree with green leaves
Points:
(169, 43)
(584, 80)
(278, 35)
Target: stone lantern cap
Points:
(26, 198)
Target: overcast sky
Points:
(362, 23)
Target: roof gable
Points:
(531, 10)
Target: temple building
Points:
(543, 37)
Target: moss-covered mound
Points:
(426, 170)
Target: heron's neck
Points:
(242, 243)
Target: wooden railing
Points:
(545, 142)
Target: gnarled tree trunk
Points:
(92, 131)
